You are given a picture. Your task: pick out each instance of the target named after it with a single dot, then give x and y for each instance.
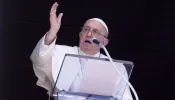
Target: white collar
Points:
(84, 54)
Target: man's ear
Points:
(105, 41)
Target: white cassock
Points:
(47, 61)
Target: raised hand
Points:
(55, 24)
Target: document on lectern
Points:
(100, 77)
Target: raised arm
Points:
(43, 50)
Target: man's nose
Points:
(89, 34)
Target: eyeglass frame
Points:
(89, 30)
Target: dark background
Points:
(141, 31)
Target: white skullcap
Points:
(101, 21)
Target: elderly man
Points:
(47, 56)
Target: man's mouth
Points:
(87, 41)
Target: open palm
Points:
(55, 22)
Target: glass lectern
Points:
(91, 78)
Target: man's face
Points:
(92, 29)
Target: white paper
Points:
(100, 77)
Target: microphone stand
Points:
(110, 59)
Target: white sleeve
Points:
(42, 53)
(41, 58)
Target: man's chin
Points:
(86, 46)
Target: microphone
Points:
(94, 40)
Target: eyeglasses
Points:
(94, 32)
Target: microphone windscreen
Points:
(96, 41)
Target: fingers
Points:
(59, 18)
(54, 8)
